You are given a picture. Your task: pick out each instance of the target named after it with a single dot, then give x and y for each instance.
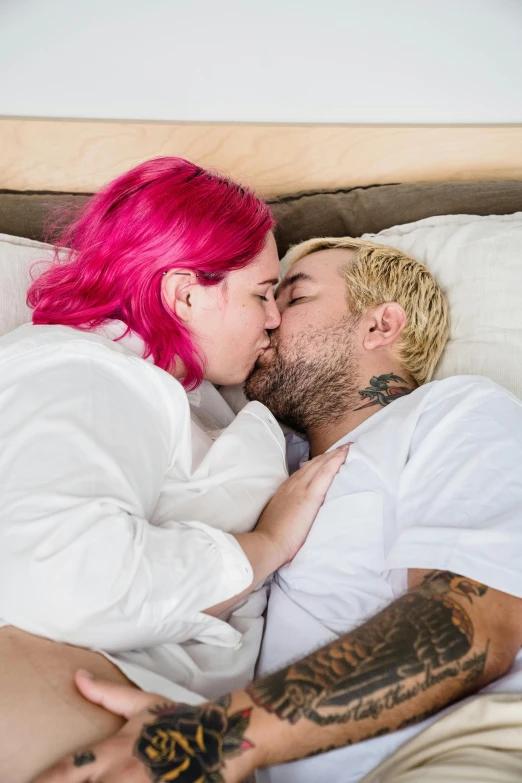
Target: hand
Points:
(161, 741)
(288, 517)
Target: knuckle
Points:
(133, 771)
(59, 773)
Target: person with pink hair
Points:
(128, 535)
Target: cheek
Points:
(292, 324)
(247, 323)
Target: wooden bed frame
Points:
(80, 155)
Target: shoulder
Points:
(468, 409)
(66, 361)
(464, 392)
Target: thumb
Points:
(123, 700)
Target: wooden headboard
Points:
(79, 156)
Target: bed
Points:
(484, 288)
(450, 197)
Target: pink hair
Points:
(164, 213)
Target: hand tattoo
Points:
(81, 759)
(417, 642)
(379, 392)
(191, 744)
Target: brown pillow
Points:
(343, 212)
(356, 211)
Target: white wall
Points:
(353, 61)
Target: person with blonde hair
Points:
(406, 596)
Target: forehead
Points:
(323, 265)
(267, 262)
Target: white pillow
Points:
(478, 262)
(17, 255)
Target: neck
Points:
(380, 391)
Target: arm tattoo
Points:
(414, 644)
(381, 391)
(191, 744)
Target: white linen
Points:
(114, 533)
(431, 481)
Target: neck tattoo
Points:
(383, 390)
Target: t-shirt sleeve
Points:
(460, 497)
(86, 445)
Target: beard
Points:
(312, 383)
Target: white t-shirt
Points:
(117, 505)
(432, 481)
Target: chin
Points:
(233, 378)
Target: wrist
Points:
(275, 551)
(264, 551)
(254, 745)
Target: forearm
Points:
(426, 650)
(444, 639)
(264, 557)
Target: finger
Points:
(321, 481)
(311, 467)
(130, 773)
(77, 768)
(123, 700)
(107, 760)
(337, 457)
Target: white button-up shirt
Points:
(432, 481)
(117, 504)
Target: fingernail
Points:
(85, 673)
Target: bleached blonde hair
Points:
(381, 274)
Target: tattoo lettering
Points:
(418, 642)
(191, 744)
(475, 666)
(381, 392)
(81, 759)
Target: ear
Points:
(384, 325)
(177, 291)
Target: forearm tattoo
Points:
(191, 744)
(419, 641)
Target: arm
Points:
(85, 451)
(87, 448)
(445, 638)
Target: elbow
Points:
(500, 659)
(498, 654)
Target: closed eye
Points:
(297, 299)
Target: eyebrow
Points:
(288, 281)
(272, 281)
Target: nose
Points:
(273, 316)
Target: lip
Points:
(261, 353)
